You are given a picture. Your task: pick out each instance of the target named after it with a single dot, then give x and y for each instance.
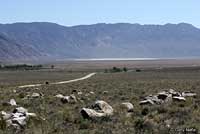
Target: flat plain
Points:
(54, 117)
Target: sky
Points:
(80, 12)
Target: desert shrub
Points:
(138, 70)
(116, 69)
(145, 111)
(125, 69)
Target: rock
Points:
(36, 95)
(163, 95)
(5, 116)
(59, 96)
(72, 98)
(92, 92)
(79, 93)
(12, 102)
(16, 115)
(104, 107)
(176, 98)
(20, 110)
(146, 102)
(105, 92)
(189, 94)
(21, 121)
(91, 114)
(128, 106)
(100, 109)
(31, 114)
(87, 94)
(18, 118)
(154, 99)
(65, 99)
(69, 99)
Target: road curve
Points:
(61, 82)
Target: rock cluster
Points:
(166, 96)
(18, 118)
(99, 109)
(67, 99)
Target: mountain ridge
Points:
(44, 40)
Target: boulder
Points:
(59, 96)
(146, 102)
(128, 106)
(12, 102)
(179, 98)
(189, 94)
(100, 109)
(20, 110)
(104, 107)
(79, 93)
(105, 92)
(91, 113)
(31, 114)
(36, 95)
(21, 121)
(65, 99)
(92, 92)
(18, 118)
(163, 95)
(69, 99)
(154, 98)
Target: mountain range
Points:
(43, 40)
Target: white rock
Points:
(12, 102)
(20, 110)
(145, 102)
(79, 93)
(16, 115)
(90, 113)
(36, 95)
(176, 98)
(92, 92)
(20, 120)
(189, 94)
(163, 95)
(31, 114)
(105, 92)
(100, 109)
(104, 107)
(59, 96)
(128, 106)
(69, 99)
(65, 99)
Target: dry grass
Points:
(122, 87)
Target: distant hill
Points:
(42, 40)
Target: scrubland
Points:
(54, 117)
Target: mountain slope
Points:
(10, 50)
(53, 41)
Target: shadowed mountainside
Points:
(42, 40)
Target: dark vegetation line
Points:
(23, 67)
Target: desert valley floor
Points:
(54, 114)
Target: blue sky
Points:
(76, 12)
